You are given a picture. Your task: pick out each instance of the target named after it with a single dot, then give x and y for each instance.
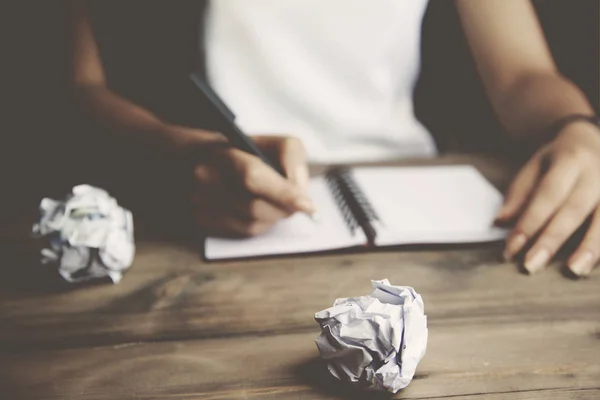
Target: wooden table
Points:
(180, 328)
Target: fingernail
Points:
(315, 217)
(514, 245)
(537, 261)
(582, 265)
(500, 214)
(306, 205)
(302, 177)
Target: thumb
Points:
(520, 190)
(291, 155)
(185, 136)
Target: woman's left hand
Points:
(552, 196)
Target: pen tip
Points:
(315, 217)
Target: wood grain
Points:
(462, 359)
(180, 328)
(170, 294)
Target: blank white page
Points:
(296, 234)
(431, 204)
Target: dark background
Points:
(42, 153)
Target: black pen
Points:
(228, 127)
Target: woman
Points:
(338, 75)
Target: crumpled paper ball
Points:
(87, 236)
(375, 341)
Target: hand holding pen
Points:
(243, 186)
(236, 193)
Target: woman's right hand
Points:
(233, 193)
(236, 194)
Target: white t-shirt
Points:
(338, 74)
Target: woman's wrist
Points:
(582, 121)
(579, 126)
(579, 133)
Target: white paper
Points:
(88, 235)
(431, 204)
(376, 340)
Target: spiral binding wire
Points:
(365, 205)
(338, 195)
(356, 208)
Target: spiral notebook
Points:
(380, 206)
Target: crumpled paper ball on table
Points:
(376, 340)
(87, 236)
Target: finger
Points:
(584, 259)
(291, 155)
(207, 175)
(520, 189)
(192, 136)
(570, 216)
(262, 181)
(552, 191)
(216, 171)
(245, 208)
(207, 155)
(258, 210)
(215, 198)
(223, 224)
(195, 144)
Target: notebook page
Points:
(431, 204)
(296, 234)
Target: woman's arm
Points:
(232, 192)
(99, 104)
(518, 72)
(559, 188)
